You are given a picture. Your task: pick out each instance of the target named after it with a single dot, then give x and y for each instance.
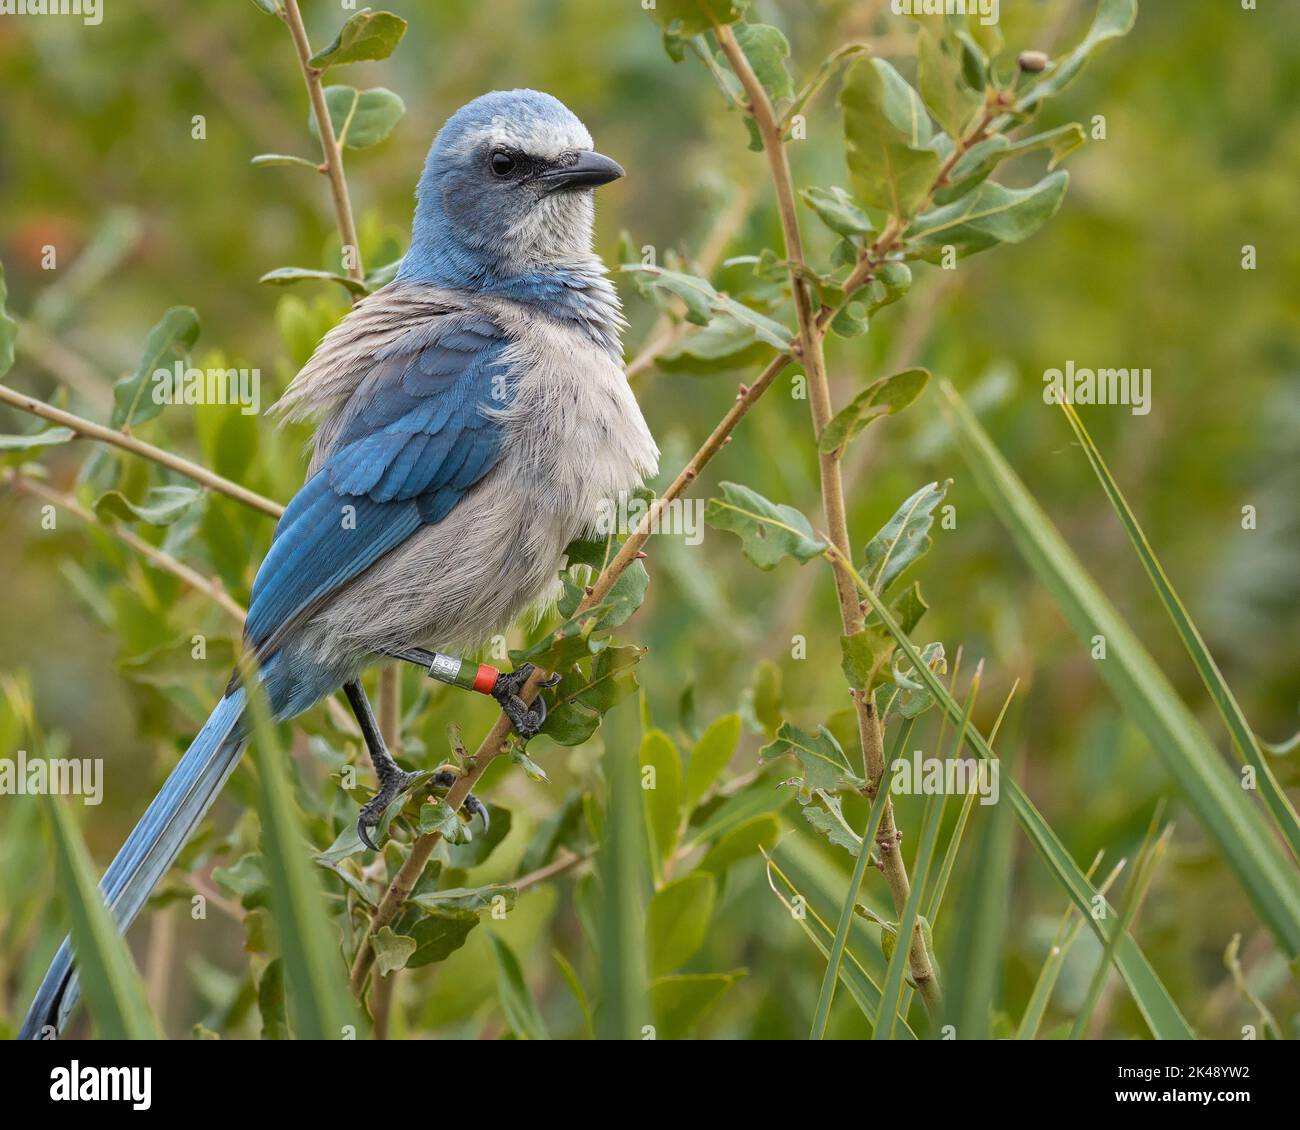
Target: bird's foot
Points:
(471, 806)
(526, 719)
(391, 786)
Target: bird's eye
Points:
(501, 163)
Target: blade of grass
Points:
(1149, 993)
(892, 991)
(522, 1013)
(316, 976)
(1234, 718)
(1066, 934)
(1153, 849)
(109, 979)
(856, 979)
(831, 976)
(1234, 824)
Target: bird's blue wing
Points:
(418, 436)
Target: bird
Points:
(472, 419)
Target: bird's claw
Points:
(526, 719)
(390, 788)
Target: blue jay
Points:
(473, 416)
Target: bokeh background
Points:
(1142, 267)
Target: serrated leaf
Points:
(883, 397)
(768, 532)
(887, 132)
(988, 215)
(170, 339)
(821, 757)
(361, 118)
(830, 822)
(392, 951)
(366, 35)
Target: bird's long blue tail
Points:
(149, 851)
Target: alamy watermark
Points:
(56, 776)
(90, 11)
(1078, 385)
(622, 515)
(986, 10)
(182, 384)
(951, 776)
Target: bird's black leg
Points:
(392, 779)
(501, 685)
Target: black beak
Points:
(588, 171)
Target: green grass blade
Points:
(623, 865)
(1149, 993)
(1066, 934)
(1234, 718)
(1231, 821)
(891, 992)
(1153, 849)
(316, 978)
(522, 1013)
(109, 979)
(831, 976)
(853, 975)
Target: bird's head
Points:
(506, 191)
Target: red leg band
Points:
(486, 680)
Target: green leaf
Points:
(170, 339)
(686, 18)
(109, 981)
(905, 538)
(466, 900)
(682, 1000)
(888, 133)
(824, 763)
(270, 7)
(1213, 793)
(582, 700)
(979, 161)
(286, 276)
(863, 655)
(663, 798)
(768, 532)
(677, 921)
(838, 211)
(766, 48)
(246, 880)
(883, 397)
(725, 343)
(361, 119)
(710, 757)
(740, 843)
(392, 951)
(943, 77)
(438, 936)
(1234, 718)
(48, 438)
(989, 215)
(522, 1013)
(320, 999)
(1114, 18)
(366, 35)
(264, 160)
(830, 822)
(702, 300)
(8, 328)
(476, 852)
(161, 506)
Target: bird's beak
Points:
(588, 171)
